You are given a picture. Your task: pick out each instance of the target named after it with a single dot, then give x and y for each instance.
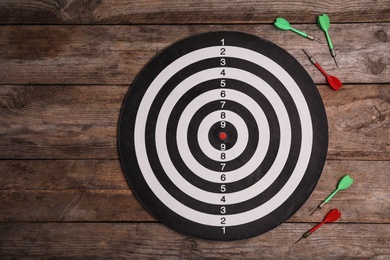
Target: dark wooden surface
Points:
(65, 68)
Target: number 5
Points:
(223, 83)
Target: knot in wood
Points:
(376, 67)
(381, 36)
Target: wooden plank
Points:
(69, 122)
(79, 175)
(365, 201)
(71, 205)
(359, 124)
(79, 122)
(60, 121)
(115, 54)
(58, 141)
(168, 12)
(69, 191)
(61, 105)
(155, 241)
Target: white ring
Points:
(212, 95)
(203, 136)
(229, 176)
(300, 167)
(216, 176)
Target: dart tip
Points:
(313, 212)
(336, 62)
(298, 240)
(312, 38)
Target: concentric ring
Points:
(204, 130)
(175, 197)
(185, 152)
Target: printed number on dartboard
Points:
(223, 94)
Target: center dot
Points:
(222, 135)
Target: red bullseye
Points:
(222, 136)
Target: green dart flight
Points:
(324, 23)
(283, 24)
(344, 183)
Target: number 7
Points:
(223, 166)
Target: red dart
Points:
(332, 216)
(333, 81)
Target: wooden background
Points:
(65, 68)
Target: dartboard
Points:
(223, 136)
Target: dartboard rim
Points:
(133, 172)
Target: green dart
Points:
(344, 183)
(283, 24)
(324, 23)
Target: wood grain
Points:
(115, 54)
(155, 241)
(78, 175)
(65, 68)
(359, 122)
(96, 190)
(179, 12)
(71, 205)
(80, 122)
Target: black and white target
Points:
(223, 136)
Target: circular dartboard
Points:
(223, 136)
